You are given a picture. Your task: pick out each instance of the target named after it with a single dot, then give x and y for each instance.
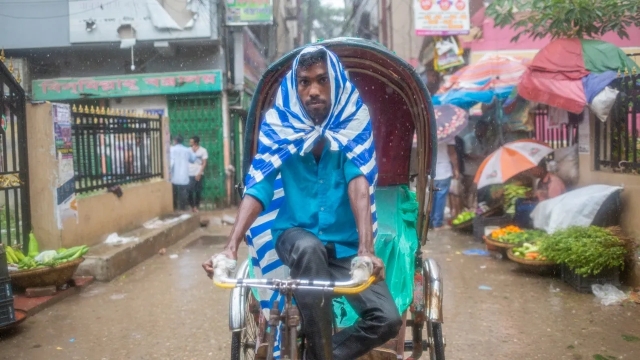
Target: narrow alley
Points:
(168, 309)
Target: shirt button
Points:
(321, 209)
(319, 232)
(321, 181)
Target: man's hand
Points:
(208, 265)
(198, 177)
(378, 265)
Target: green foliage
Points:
(585, 250)
(565, 18)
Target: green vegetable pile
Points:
(585, 250)
(464, 217)
(511, 194)
(45, 259)
(522, 236)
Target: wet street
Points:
(168, 309)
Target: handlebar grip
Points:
(223, 269)
(354, 290)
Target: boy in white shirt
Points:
(196, 172)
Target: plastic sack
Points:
(578, 207)
(603, 102)
(608, 294)
(565, 165)
(45, 256)
(114, 239)
(456, 187)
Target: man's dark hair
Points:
(312, 58)
(178, 139)
(196, 139)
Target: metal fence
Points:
(558, 136)
(114, 147)
(15, 210)
(617, 144)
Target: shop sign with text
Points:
(441, 17)
(128, 85)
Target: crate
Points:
(7, 312)
(480, 222)
(6, 292)
(4, 271)
(583, 284)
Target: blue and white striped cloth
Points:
(286, 131)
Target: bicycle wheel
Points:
(436, 346)
(243, 342)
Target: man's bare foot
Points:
(195, 209)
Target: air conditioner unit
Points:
(21, 67)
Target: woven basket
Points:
(48, 276)
(465, 226)
(497, 244)
(528, 262)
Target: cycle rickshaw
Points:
(399, 105)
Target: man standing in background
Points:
(445, 172)
(180, 156)
(196, 173)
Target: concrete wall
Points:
(630, 182)
(98, 215)
(27, 24)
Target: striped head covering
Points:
(286, 131)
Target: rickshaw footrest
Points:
(408, 345)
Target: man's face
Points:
(314, 90)
(192, 143)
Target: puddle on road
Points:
(206, 241)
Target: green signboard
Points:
(128, 85)
(249, 12)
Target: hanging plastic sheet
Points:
(396, 246)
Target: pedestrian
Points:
(445, 172)
(550, 185)
(196, 173)
(180, 158)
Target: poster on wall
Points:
(249, 12)
(93, 21)
(441, 17)
(66, 206)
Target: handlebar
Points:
(361, 278)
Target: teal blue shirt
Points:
(317, 198)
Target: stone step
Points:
(105, 262)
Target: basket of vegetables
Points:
(46, 268)
(529, 254)
(529, 258)
(503, 238)
(464, 221)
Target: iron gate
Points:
(201, 115)
(15, 211)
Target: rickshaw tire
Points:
(236, 345)
(438, 341)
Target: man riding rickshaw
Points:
(309, 207)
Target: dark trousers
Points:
(195, 191)
(180, 196)
(308, 258)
